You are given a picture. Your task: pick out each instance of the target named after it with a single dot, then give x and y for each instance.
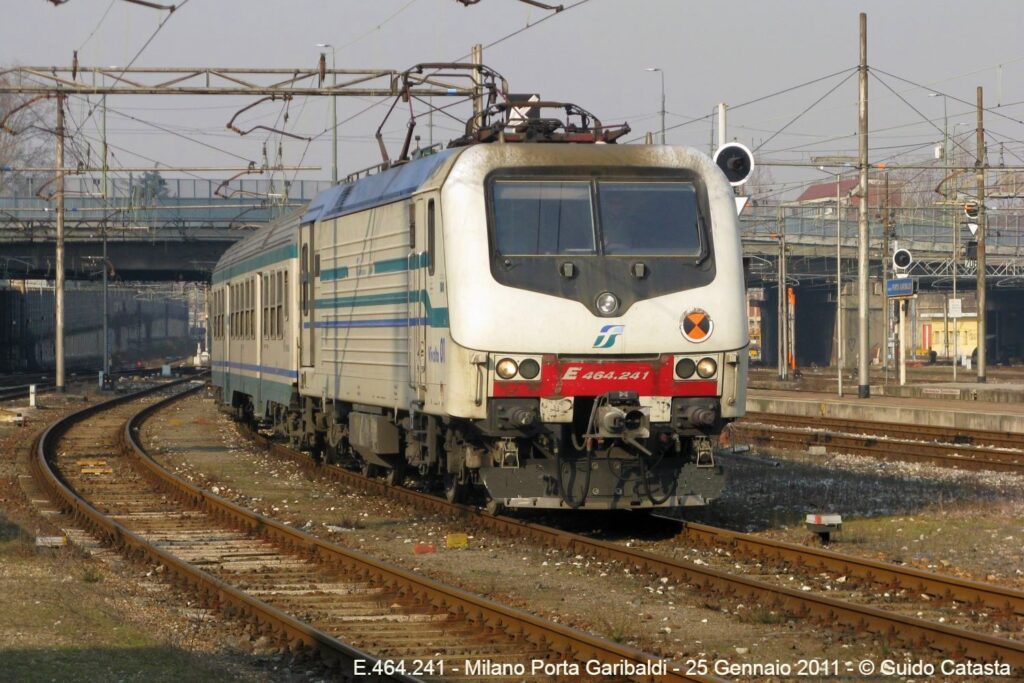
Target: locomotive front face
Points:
(598, 320)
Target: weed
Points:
(763, 615)
(351, 523)
(616, 631)
(91, 575)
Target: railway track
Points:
(912, 631)
(17, 386)
(368, 618)
(946, 447)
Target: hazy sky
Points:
(593, 54)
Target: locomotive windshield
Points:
(632, 218)
(547, 217)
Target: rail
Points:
(911, 630)
(570, 643)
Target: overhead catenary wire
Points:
(97, 27)
(139, 52)
(914, 109)
(525, 28)
(807, 109)
(849, 70)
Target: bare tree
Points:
(26, 138)
(762, 186)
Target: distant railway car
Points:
(549, 325)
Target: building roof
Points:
(826, 192)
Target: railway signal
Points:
(736, 161)
(901, 261)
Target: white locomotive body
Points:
(555, 325)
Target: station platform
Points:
(942, 406)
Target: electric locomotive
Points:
(536, 316)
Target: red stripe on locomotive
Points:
(596, 377)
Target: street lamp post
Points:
(662, 74)
(839, 287)
(955, 227)
(334, 114)
(842, 162)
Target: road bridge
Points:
(155, 228)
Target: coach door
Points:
(417, 286)
(307, 307)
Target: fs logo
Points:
(609, 333)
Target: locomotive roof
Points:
(268, 242)
(383, 188)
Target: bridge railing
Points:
(195, 208)
(924, 228)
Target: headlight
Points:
(506, 368)
(607, 303)
(685, 368)
(529, 368)
(707, 367)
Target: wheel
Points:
(395, 476)
(493, 507)
(368, 470)
(454, 488)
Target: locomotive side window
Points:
(430, 237)
(286, 294)
(648, 218)
(304, 264)
(535, 218)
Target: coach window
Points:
(249, 308)
(268, 307)
(245, 309)
(243, 306)
(430, 237)
(252, 308)
(240, 331)
(280, 306)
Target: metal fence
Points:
(199, 207)
(928, 228)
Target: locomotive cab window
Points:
(543, 217)
(608, 217)
(639, 232)
(649, 219)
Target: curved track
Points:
(914, 632)
(306, 592)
